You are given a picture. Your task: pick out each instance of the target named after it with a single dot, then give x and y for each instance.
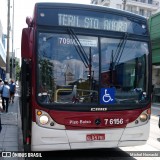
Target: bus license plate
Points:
(95, 137)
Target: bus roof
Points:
(90, 7)
(88, 17)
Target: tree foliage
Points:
(18, 70)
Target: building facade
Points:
(3, 22)
(2, 54)
(142, 7)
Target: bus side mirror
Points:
(25, 41)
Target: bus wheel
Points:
(26, 138)
(27, 147)
(26, 142)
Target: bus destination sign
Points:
(92, 22)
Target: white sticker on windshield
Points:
(88, 43)
(83, 42)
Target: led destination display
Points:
(92, 22)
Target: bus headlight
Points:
(43, 119)
(143, 117)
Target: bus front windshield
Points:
(77, 68)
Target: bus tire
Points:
(27, 147)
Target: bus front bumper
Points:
(46, 139)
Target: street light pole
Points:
(13, 53)
(8, 37)
(124, 4)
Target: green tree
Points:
(18, 70)
(46, 72)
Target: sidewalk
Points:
(11, 134)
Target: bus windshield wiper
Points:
(79, 48)
(118, 54)
(119, 50)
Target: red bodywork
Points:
(87, 120)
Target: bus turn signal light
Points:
(149, 111)
(39, 113)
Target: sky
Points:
(24, 8)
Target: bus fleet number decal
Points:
(114, 121)
(83, 42)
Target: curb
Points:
(20, 138)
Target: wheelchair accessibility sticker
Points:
(107, 96)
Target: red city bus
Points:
(86, 78)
